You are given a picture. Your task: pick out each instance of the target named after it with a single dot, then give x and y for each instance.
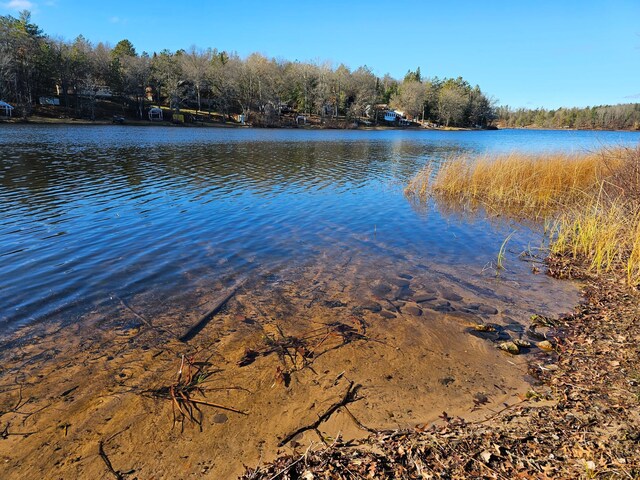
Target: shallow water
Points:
(90, 214)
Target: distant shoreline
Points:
(39, 120)
(572, 129)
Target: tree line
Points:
(33, 64)
(606, 117)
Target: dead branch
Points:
(348, 397)
(107, 462)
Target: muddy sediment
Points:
(306, 355)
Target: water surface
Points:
(90, 214)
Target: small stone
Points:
(412, 310)
(488, 309)
(450, 295)
(509, 347)
(542, 332)
(542, 321)
(473, 306)
(220, 418)
(446, 381)
(406, 276)
(371, 306)
(545, 345)
(387, 314)
(445, 309)
(424, 297)
(334, 304)
(535, 334)
(481, 327)
(522, 343)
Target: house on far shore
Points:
(391, 115)
(397, 117)
(6, 110)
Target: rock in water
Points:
(488, 309)
(371, 306)
(545, 345)
(510, 347)
(412, 310)
(424, 297)
(450, 295)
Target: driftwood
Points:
(348, 397)
(206, 318)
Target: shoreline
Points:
(37, 120)
(274, 358)
(568, 129)
(581, 419)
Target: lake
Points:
(94, 214)
(278, 270)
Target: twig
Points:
(348, 397)
(359, 424)
(107, 462)
(6, 433)
(499, 412)
(222, 407)
(136, 314)
(200, 402)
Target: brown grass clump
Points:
(590, 202)
(520, 183)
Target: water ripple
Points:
(92, 211)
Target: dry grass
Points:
(522, 184)
(589, 202)
(606, 235)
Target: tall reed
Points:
(591, 201)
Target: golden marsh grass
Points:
(589, 202)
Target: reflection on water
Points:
(93, 213)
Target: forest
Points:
(81, 77)
(605, 117)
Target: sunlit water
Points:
(93, 213)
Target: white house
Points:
(6, 110)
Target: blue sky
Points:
(525, 53)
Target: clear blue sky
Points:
(540, 53)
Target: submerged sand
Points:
(283, 349)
